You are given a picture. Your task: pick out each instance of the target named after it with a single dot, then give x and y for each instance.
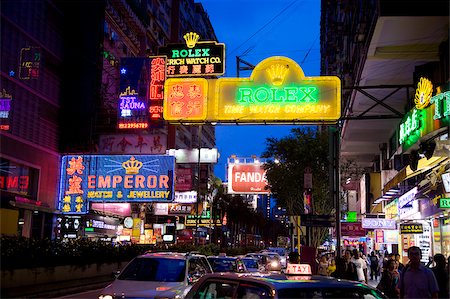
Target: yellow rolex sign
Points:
(276, 92)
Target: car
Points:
(251, 264)
(270, 261)
(273, 286)
(226, 264)
(158, 275)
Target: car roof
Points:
(282, 281)
(173, 255)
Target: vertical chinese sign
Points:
(157, 79)
(133, 96)
(72, 199)
(30, 61)
(5, 108)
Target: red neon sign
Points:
(158, 77)
(133, 125)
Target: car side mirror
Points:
(194, 277)
(115, 274)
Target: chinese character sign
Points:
(186, 98)
(115, 178)
(133, 144)
(157, 79)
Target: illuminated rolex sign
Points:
(276, 92)
(194, 58)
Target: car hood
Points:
(146, 289)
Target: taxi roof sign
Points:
(298, 269)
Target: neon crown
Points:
(277, 73)
(191, 39)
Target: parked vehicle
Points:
(158, 275)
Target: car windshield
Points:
(250, 263)
(155, 269)
(222, 264)
(328, 293)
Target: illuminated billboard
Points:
(276, 92)
(247, 179)
(114, 178)
(194, 58)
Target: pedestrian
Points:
(332, 266)
(323, 266)
(361, 266)
(417, 281)
(389, 280)
(341, 268)
(350, 268)
(440, 272)
(400, 265)
(373, 266)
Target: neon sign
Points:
(133, 97)
(441, 105)
(410, 127)
(194, 58)
(158, 77)
(30, 60)
(114, 178)
(5, 108)
(277, 91)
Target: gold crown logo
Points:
(423, 93)
(132, 166)
(128, 92)
(277, 73)
(191, 39)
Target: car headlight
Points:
(274, 264)
(105, 297)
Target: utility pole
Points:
(199, 146)
(335, 181)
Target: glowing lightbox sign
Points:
(5, 108)
(430, 113)
(194, 58)
(158, 77)
(114, 178)
(277, 91)
(30, 61)
(133, 97)
(247, 179)
(186, 99)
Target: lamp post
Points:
(198, 183)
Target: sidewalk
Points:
(373, 282)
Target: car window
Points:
(251, 291)
(222, 264)
(206, 264)
(197, 269)
(250, 263)
(328, 293)
(154, 269)
(215, 290)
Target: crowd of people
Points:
(413, 280)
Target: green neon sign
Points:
(410, 128)
(442, 105)
(287, 94)
(444, 203)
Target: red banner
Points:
(183, 179)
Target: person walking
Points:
(373, 266)
(323, 266)
(389, 280)
(361, 266)
(331, 267)
(440, 272)
(400, 265)
(417, 281)
(350, 268)
(341, 268)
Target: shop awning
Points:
(423, 165)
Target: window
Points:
(328, 293)
(249, 291)
(216, 290)
(155, 269)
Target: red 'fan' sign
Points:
(247, 179)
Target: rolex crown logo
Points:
(191, 39)
(132, 166)
(277, 73)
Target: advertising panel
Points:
(352, 229)
(379, 223)
(278, 90)
(182, 156)
(391, 209)
(186, 197)
(411, 228)
(114, 178)
(183, 179)
(186, 99)
(194, 58)
(5, 109)
(153, 144)
(247, 179)
(156, 93)
(120, 209)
